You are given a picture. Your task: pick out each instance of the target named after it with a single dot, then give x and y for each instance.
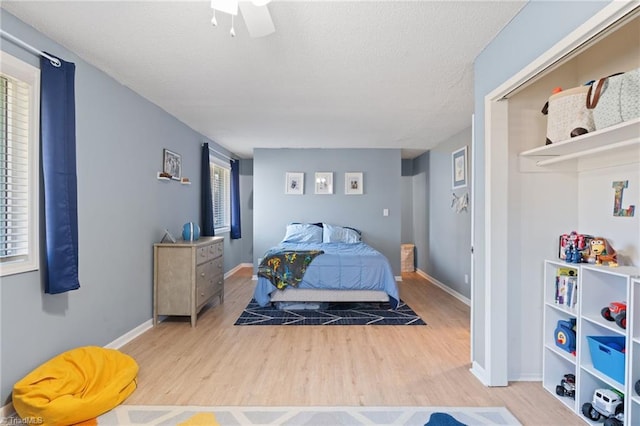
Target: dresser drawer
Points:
(215, 250)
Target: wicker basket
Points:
(406, 258)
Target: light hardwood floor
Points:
(217, 363)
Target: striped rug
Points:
(156, 415)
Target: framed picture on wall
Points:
(459, 168)
(172, 164)
(324, 182)
(353, 183)
(294, 183)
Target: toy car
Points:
(616, 311)
(606, 403)
(567, 386)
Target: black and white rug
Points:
(338, 313)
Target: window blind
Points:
(220, 182)
(14, 168)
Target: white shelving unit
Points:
(597, 286)
(633, 322)
(556, 362)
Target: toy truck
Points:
(605, 403)
(567, 386)
(616, 311)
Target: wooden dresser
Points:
(187, 276)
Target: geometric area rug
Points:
(156, 415)
(332, 313)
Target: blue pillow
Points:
(303, 233)
(339, 234)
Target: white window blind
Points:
(220, 185)
(18, 166)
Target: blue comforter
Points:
(355, 266)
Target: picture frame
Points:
(294, 183)
(353, 184)
(324, 183)
(459, 168)
(172, 164)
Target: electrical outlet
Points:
(466, 278)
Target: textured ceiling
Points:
(357, 74)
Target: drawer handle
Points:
(202, 274)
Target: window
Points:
(19, 134)
(220, 185)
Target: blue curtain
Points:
(58, 151)
(235, 200)
(206, 197)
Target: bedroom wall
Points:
(406, 195)
(273, 210)
(421, 210)
(524, 39)
(122, 210)
(449, 257)
(442, 237)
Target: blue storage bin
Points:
(608, 358)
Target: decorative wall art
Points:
(353, 184)
(459, 168)
(294, 183)
(172, 164)
(324, 183)
(618, 209)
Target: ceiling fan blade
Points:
(226, 6)
(257, 19)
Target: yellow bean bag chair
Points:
(75, 386)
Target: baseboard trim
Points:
(237, 268)
(526, 378)
(130, 335)
(444, 287)
(479, 373)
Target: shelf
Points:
(589, 368)
(623, 135)
(564, 354)
(569, 311)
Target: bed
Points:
(324, 263)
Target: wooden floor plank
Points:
(217, 363)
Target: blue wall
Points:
(122, 210)
(538, 26)
(273, 209)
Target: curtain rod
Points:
(221, 154)
(54, 61)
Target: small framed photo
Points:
(353, 183)
(294, 183)
(459, 168)
(324, 182)
(172, 164)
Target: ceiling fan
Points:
(255, 13)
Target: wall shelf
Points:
(625, 135)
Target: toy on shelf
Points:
(605, 403)
(565, 335)
(574, 247)
(601, 251)
(567, 386)
(616, 311)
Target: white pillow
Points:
(339, 234)
(303, 233)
